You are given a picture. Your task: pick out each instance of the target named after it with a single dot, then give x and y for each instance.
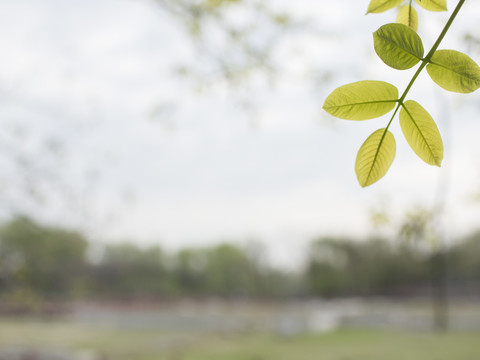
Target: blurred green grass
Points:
(122, 344)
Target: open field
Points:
(215, 330)
(212, 330)
(108, 343)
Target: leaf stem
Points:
(434, 48)
(424, 63)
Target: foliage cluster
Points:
(52, 263)
(399, 46)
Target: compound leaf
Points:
(375, 157)
(433, 5)
(398, 46)
(379, 6)
(421, 133)
(361, 100)
(408, 16)
(454, 71)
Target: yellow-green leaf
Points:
(454, 71)
(375, 157)
(433, 5)
(398, 46)
(421, 133)
(378, 6)
(408, 16)
(361, 100)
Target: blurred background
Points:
(171, 188)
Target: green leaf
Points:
(398, 46)
(375, 157)
(421, 133)
(378, 6)
(454, 71)
(361, 100)
(408, 16)
(433, 5)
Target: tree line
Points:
(51, 263)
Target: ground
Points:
(104, 342)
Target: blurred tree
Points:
(38, 261)
(127, 271)
(189, 272)
(464, 265)
(325, 268)
(418, 230)
(231, 272)
(48, 260)
(344, 267)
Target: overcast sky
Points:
(146, 157)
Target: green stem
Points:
(424, 63)
(434, 48)
(383, 137)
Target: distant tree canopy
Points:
(53, 263)
(131, 270)
(342, 267)
(43, 259)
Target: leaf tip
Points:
(364, 185)
(367, 182)
(375, 157)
